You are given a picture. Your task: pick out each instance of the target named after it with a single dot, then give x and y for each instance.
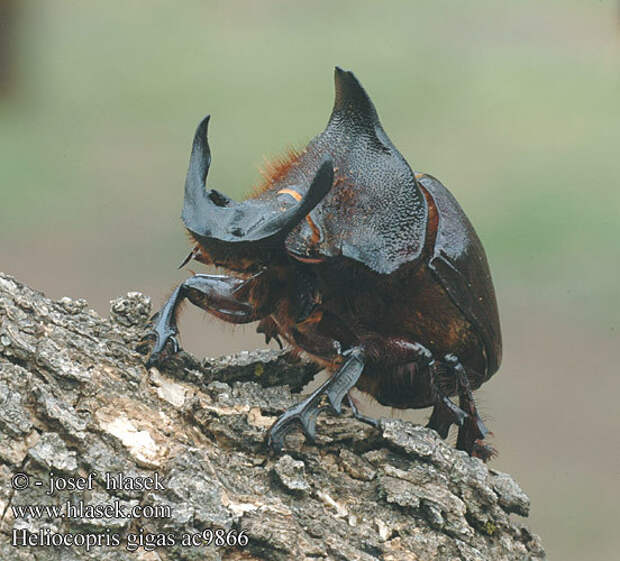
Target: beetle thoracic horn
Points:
(351, 103)
(210, 215)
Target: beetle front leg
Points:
(229, 298)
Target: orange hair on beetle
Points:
(274, 170)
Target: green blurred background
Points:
(515, 106)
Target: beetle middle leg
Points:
(229, 298)
(306, 412)
(373, 351)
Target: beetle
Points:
(347, 254)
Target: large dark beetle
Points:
(350, 256)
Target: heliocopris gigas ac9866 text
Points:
(347, 254)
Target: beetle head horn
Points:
(215, 219)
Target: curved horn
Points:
(255, 221)
(211, 215)
(196, 203)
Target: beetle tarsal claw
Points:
(161, 341)
(165, 329)
(165, 333)
(308, 421)
(483, 451)
(306, 412)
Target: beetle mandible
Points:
(371, 269)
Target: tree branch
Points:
(76, 402)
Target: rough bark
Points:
(76, 399)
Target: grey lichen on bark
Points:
(76, 399)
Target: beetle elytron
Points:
(347, 254)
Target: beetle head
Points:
(242, 235)
(375, 214)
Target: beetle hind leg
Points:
(473, 431)
(445, 412)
